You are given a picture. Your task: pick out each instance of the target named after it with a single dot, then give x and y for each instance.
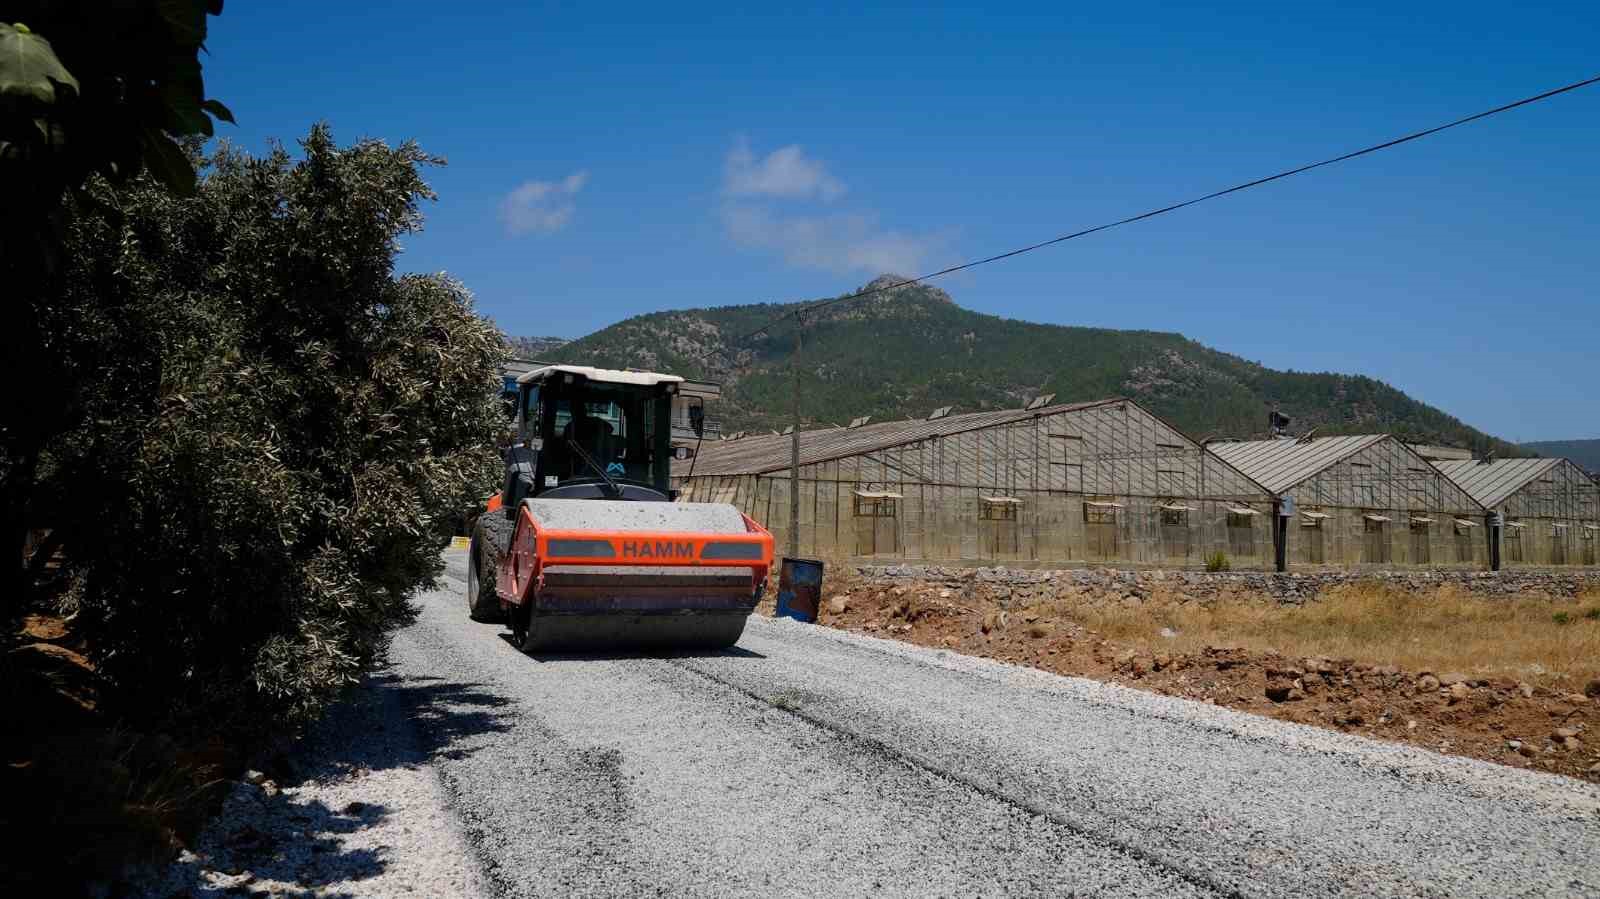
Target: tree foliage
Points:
(102, 87)
(272, 425)
(86, 89)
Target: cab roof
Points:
(603, 375)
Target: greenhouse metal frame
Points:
(1106, 482)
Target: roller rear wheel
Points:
(483, 555)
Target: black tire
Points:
(490, 539)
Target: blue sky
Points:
(606, 161)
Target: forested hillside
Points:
(907, 351)
(1585, 453)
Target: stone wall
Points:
(1027, 583)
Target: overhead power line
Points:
(1415, 135)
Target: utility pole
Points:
(1282, 511)
(794, 442)
(1494, 521)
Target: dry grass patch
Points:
(1538, 639)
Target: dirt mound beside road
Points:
(1511, 680)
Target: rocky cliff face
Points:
(536, 347)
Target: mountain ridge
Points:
(1583, 453)
(907, 350)
(534, 347)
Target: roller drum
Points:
(642, 606)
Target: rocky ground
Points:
(991, 613)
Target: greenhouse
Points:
(1364, 500)
(1549, 507)
(1100, 482)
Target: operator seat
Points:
(594, 435)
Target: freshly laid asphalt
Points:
(811, 762)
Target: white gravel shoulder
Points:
(370, 817)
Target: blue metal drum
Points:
(800, 589)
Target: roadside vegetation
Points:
(234, 440)
(276, 426)
(270, 432)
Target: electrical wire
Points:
(797, 314)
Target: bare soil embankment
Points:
(1504, 669)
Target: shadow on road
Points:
(392, 721)
(282, 840)
(289, 834)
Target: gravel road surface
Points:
(811, 762)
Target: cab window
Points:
(530, 412)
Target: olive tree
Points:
(277, 428)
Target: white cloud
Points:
(541, 207)
(760, 212)
(845, 242)
(785, 172)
